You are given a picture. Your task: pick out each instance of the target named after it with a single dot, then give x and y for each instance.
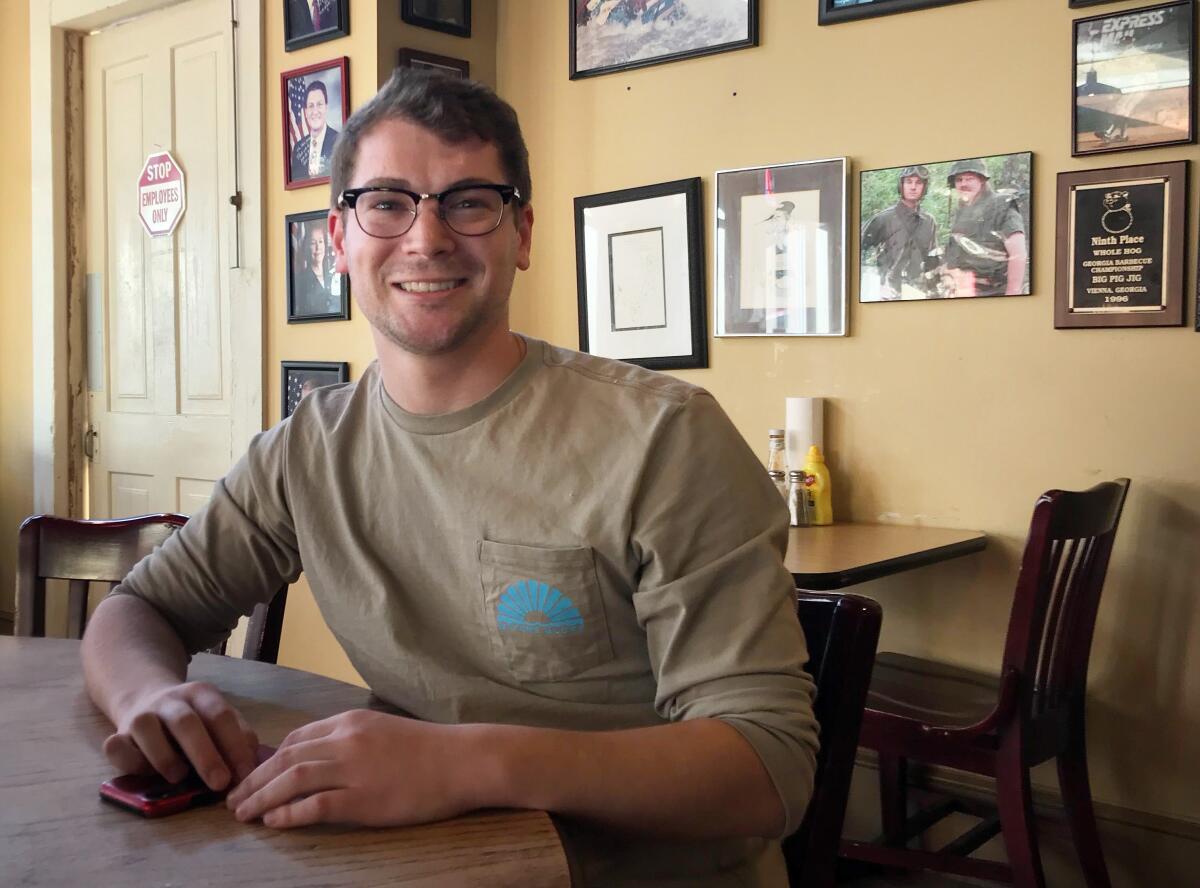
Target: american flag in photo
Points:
(297, 92)
(293, 392)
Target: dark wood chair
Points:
(84, 552)
(1001, 726)
(842, 632)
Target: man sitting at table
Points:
(567, 569)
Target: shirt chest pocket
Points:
(544, 610)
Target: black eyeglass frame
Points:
(349, 199)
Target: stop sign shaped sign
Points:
(162, 196)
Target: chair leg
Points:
(1014, 798)
(893, 797)
(1077, 799)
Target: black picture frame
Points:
(614, 62)
(429, 14)
(298, 29)
(310, 296)
(407, 57)
(294, 87)
(639, 259)
(832, 12)
(1079, 4)
(1133, 249)
(294, 375)
(1102, 113)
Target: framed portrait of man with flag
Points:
(315, 103)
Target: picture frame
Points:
(947, 229)
(1122, 251)
(781, 250)
(317, 93)
(306, 22)
(610, 39)
(408, 57)
(1079, 4)
(639, 258)
(1133, 79)
(315, 292)
(831, 12)
(298, 378)
(447, 16)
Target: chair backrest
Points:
(84, 552)
(1058, 594)
(842, 632)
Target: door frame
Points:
(57, 291)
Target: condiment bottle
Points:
(820, 490)
(776, 452)
(797, 499)
(780, 481)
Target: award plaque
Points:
(1121, 251)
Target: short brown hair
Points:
(453, 108)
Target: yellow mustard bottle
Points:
(820, 490)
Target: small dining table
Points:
(55, 830)
(838, 555)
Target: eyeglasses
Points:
(470, 210)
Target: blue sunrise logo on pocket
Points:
(536, 607)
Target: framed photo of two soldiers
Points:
(951, 229)
(1121, 249)
(1134, 79)
(830, 12)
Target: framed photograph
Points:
(1134, 79)
(619, 35)
(414, 58)
(301, 377)
(306, 22)
(1078, 4)
(1121, 248)
(315, 292)
(781, 250)
(945, 230)
(639, 258)
(315, 102)
(450, 16)
(830, 12)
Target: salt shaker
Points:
(797, 499)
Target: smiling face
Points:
(430, 291)
(314, 111)
(316, 247)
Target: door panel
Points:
(162, 411)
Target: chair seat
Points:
(929, 692)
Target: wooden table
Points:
(55, 831)
(839, 555)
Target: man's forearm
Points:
(129, 649)
(689, 780)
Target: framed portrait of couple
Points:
(315, 292)
(315, 101)
(306, 22)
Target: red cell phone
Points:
(152, 795)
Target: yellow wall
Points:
(953, 414)
(16, 353)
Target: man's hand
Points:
(169, 727)
(359, 767)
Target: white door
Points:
(160, 352)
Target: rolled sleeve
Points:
(717, 603)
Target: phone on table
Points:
(152, 795)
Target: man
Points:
(310, 16)
(986, 252)
(567, 568)
(311, 155)
(905, 238)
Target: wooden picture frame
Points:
(447, 16)
(597, 45)
(1114, 57)
(639, 258)
(297, 86)
(313, 294)
(407, 57)
(300, 30)
(296, 376)
(1122, 249)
